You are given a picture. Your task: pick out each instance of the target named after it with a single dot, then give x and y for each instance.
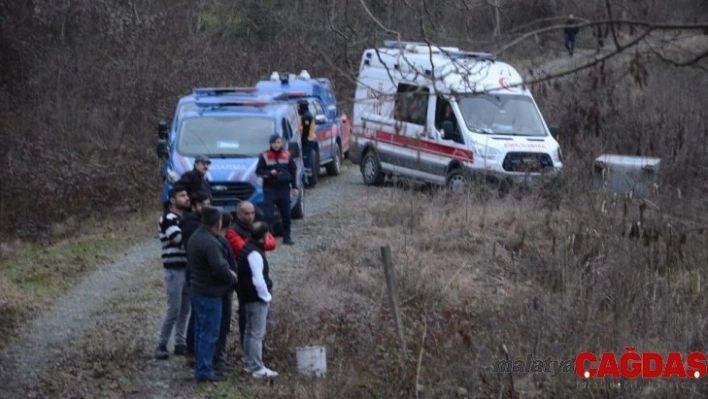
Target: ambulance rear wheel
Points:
(371, 169)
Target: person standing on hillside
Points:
(189, 223)
(210, 279)
(174, 261)
(254, 291)
(571, 30)
(308, 140)
(196, 179)
(237, 236)
(279, 172)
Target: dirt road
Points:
(97, 341)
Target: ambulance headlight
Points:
(485, 152)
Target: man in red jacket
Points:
(237, 237)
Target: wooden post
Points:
(393, 296)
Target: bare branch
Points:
(382, 26)
(641, 24)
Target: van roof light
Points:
(275, 76)
(284, 77)
(216, 91)
(304, 74)
(296, 94)
(233, 103)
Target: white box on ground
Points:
(312, 360)
(624, 173)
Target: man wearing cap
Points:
(278, 170)
(309, 142)
(210, 280)
(195, 180)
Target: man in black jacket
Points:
(196, 180)
(279, 172)
(254, 291)
(189, 223)
(308, 141)
(571, 30)
(210, 279)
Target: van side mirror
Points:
(163, 131)
(320, 119)
(163, 152)
(294, 149)
(450, 133)
(554, 131)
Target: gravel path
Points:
(45, 347)
(28, 359)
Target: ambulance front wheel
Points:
(457, 181)
(371, 169)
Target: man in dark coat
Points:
(196, 179)
(210, 279)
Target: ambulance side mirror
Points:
(449, 132)
(554, 131)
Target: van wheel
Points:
(371, 169)
(335, 167)
(457, 181)
(298, 211)
(312, 179)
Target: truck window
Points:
(412, 104)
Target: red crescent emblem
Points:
(505, 84)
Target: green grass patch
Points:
(34, 275)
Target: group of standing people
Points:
(208, 256)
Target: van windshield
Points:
(224, 136)
(501, 114)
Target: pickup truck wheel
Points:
(371, 170)
(334, 168)
(457, 182)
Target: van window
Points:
(227, 136)
(318, 108)
(443, 112)
(287, 130)
(412, 104)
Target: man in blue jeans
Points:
(254, 286)
(210, 279)
(189, 223)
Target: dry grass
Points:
(576, 281)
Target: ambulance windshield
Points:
(503, 114)
(224, 136)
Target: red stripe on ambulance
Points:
(425, 146)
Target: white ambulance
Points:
(442, 115)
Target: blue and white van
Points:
(232, 128)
